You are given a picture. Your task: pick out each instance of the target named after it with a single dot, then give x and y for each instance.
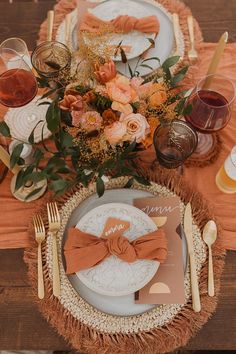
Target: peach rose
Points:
(91, 121)
(115, 133)
(106, 72)
(136, 125)
(71, 102)
(121, 92)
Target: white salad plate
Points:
(164, 41)
(115, 305)
(113, 276)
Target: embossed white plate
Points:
(114, 277)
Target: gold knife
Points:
(193, 272)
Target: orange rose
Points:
(106, 72)
(157, 98)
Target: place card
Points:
(167, 286)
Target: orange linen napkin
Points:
(83, 250)
(124, 23)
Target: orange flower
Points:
(71, 102)
(157, 94)
(109, 116)
(106, 72)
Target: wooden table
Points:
(21, 325)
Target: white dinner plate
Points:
(137, 41)
(113, 276)
(115, 305)
(164, 41)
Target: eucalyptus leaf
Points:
(19, 180)
(31, 136)
(35, 176)
(34, 192)
(146, 66)
(179, 76)
(152, 58)
(187, 110)
(59, 186)
(4, 129)
(15, 156)
(53, 116)
(66, 139)
(100, 186)
(169, 62)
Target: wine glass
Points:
(174, 142)
(18, 85)
(212, 101)
(19, 46)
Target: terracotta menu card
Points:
(167, 286)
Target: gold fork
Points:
(54, 226)
(40, 237)
(192, 53)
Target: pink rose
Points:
(114, 133)
(90, 121)
(136, 125)
(106, 72)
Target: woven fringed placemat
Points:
(160, 330)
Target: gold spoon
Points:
(209, 237)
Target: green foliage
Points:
(15, 156)
(4, 129)
(53, 116)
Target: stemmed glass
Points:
(212, 101)
(18, 85)
(19, 46)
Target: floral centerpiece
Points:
(99, 126)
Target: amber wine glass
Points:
(18, 85)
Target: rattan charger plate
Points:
(160, 329)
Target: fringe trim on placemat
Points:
(158, 340)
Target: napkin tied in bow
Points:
(83, 250)
(123, 23)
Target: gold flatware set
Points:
(54, 224)
(209, 237)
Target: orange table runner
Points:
(15, 216)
